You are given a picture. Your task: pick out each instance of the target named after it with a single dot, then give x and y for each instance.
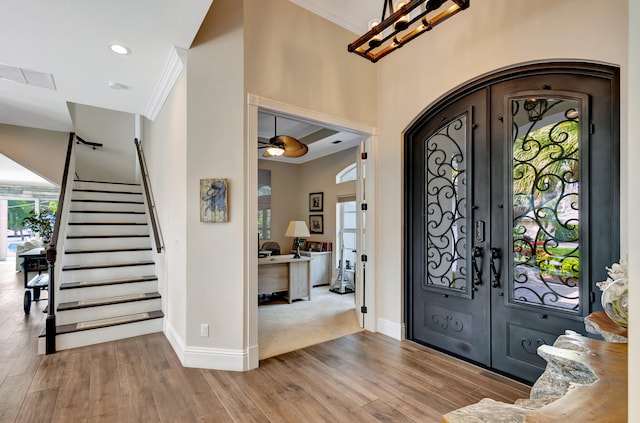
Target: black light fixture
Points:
(385, 36)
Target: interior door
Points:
(449, 193)
(512, 216)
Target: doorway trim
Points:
(254, 104)
(605, 71)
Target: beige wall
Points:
(115, 161)
(633, 248)
(290, 188)
(215, 128)
(320, 176)
(487, 36)
(301, 59)
(41, 151)
(165, 141)
(285, 188)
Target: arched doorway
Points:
(512, 211)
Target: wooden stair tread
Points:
(106, 201)
(104, 191)
(106, 265)
(106, 223)
(104, 282)
(107, 211)
(99, 302)
(107, 250)
(112, 321)
(106, 182)
(108, 236)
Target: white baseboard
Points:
(207, 358)
(391, 329)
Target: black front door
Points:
(511, 216)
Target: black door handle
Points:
(495, 273)
(477, 275)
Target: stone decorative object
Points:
(584, 381)
(598, 323)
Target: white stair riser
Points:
(107, 186)
(104, 291)
(108, 273)
(106, 217)
(80, 230)
(103, 312)
(103, 258)
(106, 196)
(103, 206)
(112, 333)
(106, 243)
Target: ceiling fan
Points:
(282, 145)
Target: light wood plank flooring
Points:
(362, 377)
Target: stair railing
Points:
(91, 144)
(52, 252)
(153, 214)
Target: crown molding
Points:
(175, 63)
(320, 8)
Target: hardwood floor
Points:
(364, 377)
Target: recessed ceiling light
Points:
(119, 49)
(116, 85)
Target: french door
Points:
(511, 214)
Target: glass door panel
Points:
(545, 133)
(446, 207)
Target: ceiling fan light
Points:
(275, 151)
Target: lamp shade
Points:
(297, 229)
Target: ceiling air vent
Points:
(27, 76)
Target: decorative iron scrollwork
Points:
(531, 347)
(447, 322)
(446, 206)
(546, 197)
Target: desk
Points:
(284, 273)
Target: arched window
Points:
(347, 174)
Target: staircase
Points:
(108, 289)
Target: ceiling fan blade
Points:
(297, 152)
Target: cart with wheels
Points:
(32, 290)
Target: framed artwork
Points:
(316, 200)
(213, 200)
(316, 224)
(314, 246)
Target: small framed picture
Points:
(316, 224)
(314, 246)
(213, 200)
(316, 200)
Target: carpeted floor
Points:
(284, 327)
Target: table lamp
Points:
(297, 229)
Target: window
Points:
(347, 174)
(347, 231)
(264, 204)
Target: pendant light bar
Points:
(385, 37)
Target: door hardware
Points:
(477, 275)
(495, 255)
(479, 233)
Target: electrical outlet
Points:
(204, 330)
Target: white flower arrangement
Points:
(615, 293)
(615, 272)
